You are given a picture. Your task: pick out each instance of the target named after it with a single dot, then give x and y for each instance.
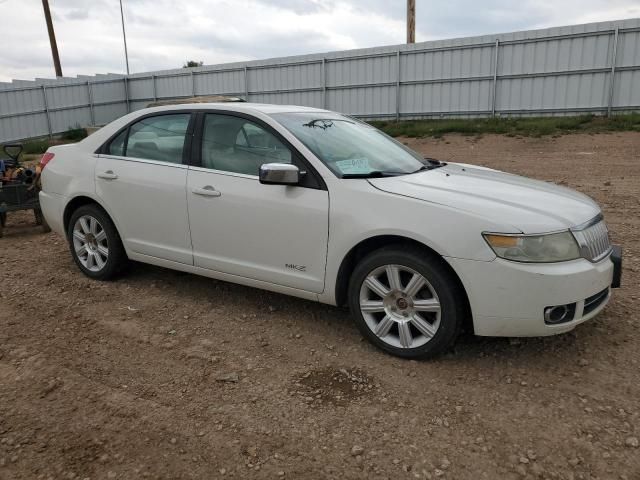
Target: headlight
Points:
(547, 248)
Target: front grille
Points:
(594, 241)
(594, 301)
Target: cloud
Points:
(77, 14)
(301, 7)
(163, 34)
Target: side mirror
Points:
(279, 174)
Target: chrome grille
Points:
(594, 240)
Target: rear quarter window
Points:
(116, 147)
(160, 137)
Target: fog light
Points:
(559, 313)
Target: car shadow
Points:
(469, 350)
(21, 230)
(199, 289)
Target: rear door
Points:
(141, 176)
(272, 233)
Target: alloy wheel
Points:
(90, 243)
(400, 306)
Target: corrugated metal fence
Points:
(581, 68)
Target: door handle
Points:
(207, 191)
(108, 175)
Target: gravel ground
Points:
(168, 375)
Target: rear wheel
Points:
(406, 302)
(95, 244)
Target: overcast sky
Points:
(164, 34)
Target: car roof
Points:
(265, 108)
(92, 142)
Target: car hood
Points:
(530, 206)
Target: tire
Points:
(3, 219)
(100, 255)
(406, 302)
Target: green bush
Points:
(35, 146)
(74, 134)
(524, 126)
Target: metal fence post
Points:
(495, 79)
(46, 110)
(246, 84)
(398, 85)
(126, 93)
(91, 108)
(612, 80)
(193, 84)
(324, 82)
(155, 91)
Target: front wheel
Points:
(95, 244)
(406, 302)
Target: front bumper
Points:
(509, 299)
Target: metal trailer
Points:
(20, 190)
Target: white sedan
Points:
(318, 205)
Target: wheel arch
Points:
(378, 242)
(79, 201)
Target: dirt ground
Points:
(168, 375)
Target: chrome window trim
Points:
(144, 160)
(223, 172)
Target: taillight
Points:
(46, 158)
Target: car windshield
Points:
(349, 147)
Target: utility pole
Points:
(411, 21)
(52, 38)
(124, 36)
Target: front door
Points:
(272, 233)
(142, 179)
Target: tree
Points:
(192, 63)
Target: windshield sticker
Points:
(353, 166)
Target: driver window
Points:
(233, 144)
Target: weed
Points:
(74, 134)
(35, 146)
(512, 127)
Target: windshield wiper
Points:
(430, 166)
(373, 174)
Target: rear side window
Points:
(159, 138)
(116, 147)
